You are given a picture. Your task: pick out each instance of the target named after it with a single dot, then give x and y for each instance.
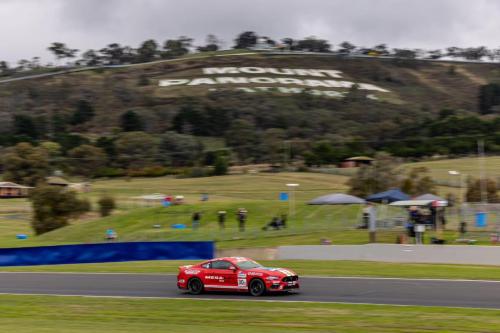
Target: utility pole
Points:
(482, 178)
(286, 153)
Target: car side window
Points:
(221, 264)
(207, 265)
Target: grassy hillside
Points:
(258, 193)
(469, 166)
(415, 88)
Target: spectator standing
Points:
(372, 223)
(242, 217)
(196, 220)
(221, 218)
(463, 229)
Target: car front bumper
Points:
(282, 286)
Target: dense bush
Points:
(54, 206)
(106, 205)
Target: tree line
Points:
(308, 130)
(151, 50)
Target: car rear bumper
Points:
(181, 284)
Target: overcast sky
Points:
(29, 26)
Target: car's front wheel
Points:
(257, 287)
(195, 286)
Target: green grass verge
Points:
(77, 315)
(302, 267)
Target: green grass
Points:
(134, 221)
(258, 193)
(302, 267)
(467, 165)
(77, 315)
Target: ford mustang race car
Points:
(235, 274)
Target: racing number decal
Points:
(242, 280)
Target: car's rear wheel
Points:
(195, 286)
(257, 287)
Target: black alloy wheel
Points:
(195, 286)
(257, 287)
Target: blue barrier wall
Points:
(105, 252)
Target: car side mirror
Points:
(233, 268)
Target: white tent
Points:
(429, 196)
(408, 203)
(336, 199)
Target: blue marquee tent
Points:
(389, 196)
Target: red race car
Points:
(235, 274)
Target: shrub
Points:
(220, 167)
(53, 207)
(106, 205)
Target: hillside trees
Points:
(86, 160)
(130, 121)
(418, 182)
(220, 166)
(136, 149)
(25, 164)
(179, 149)
(113, 54)
(4, 68)
(53, 207)
(273, 140)
(245, 40)
(489, 98)
(474, 186)
(147, 51)
(242, 137)
(313, 44)
(176, 47)
(84, 112)
(61, 51)
(91, 58)
(347, 47)
(106, 205)
(380, 176)
(212, 44)
(25, 126)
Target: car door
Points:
(222, 275)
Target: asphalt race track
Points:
(456, 293)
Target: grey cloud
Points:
(31, 25)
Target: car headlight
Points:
(273, 278)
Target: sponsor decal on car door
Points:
(221, 276)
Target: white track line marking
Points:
(396, 278)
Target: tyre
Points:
(195, 286)
(257, 287)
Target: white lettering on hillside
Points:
(269, 80)
(172, 82)
(276, 71)
(309, 82)
(286, 90)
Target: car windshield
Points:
(248, 264)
